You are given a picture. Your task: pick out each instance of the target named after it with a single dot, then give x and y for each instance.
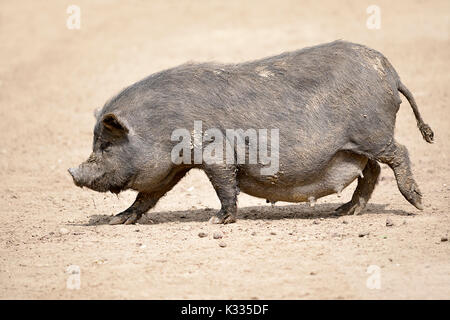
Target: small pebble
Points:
(363, 234)
(63, 231)
(389, 222)
(273, 233)
(217, 235)
(444, 239)
(222, 244)
(202, 234)
(100, 261)
(344, 221)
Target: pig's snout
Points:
(72, 172)
(75, 173)
(80, 177)
(90, 176)
(95, 175)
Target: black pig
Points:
(334, 104)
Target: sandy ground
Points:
(51, 80)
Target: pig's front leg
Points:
(223, 179)
(147, 200)
(143, 203)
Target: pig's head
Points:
(132, 144)
(111, 165)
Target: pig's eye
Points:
(105, 145)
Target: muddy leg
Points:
(144, 202)
(396, 156)
(363, 192)
(223, 179)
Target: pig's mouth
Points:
(115, 189)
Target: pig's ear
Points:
(111, 122)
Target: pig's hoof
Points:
(349, 208)
(125, 218)
(222, 219)
(415, 198)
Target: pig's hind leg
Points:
(396, 156)
(223, 179)
(363, 191)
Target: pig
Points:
(334, 105)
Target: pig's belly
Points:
(341, 170)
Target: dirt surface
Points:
(51, 80)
